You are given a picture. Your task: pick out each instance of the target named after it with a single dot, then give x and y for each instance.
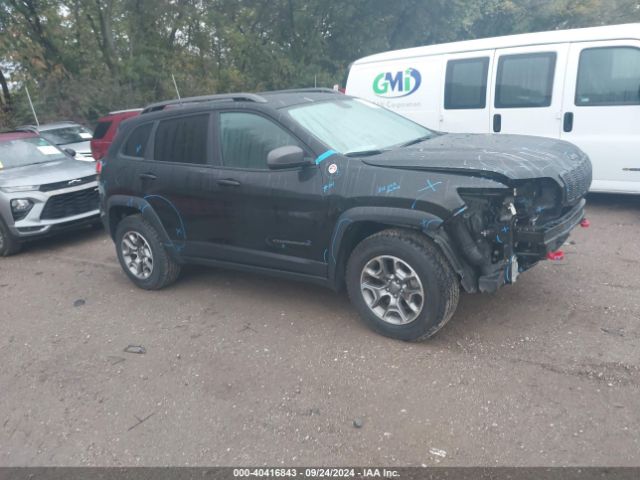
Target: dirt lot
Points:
(247, 370)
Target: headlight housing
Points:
(20, 188)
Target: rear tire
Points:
(142, 255)
(402, 285)
(9, 245)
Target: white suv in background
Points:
(66, 135)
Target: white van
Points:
(579, 85)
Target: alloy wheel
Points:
(137, 255)
(392, 289)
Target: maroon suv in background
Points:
(106, 129)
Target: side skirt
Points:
(322, 281)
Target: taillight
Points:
(98, 166)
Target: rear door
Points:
(527, 90)
(178, 179)
(465, 104)
(602, 111)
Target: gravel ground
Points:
(247, 370)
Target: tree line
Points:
(83, 58)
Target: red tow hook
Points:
(584, 223)
(557, 255)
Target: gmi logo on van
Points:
(397, 84)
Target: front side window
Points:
(466, 84)
(353, 126)
(525, 80)
(246, 139)
(27, 151)
(608, 76)
(136, 144)
(182, 140)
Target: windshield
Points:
(353, 126)
(66, 135)
(27, 151)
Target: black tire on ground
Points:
(165, 269)
(9, 245)
(440, 283)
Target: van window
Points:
(136, 144)
(182, 140)
(525, 80)
(608, 76)
(247, 139)
(466, 83)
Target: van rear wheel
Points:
(402, 285)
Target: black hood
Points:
(502, 157)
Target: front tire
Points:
(142, 255)
(9, 245)
(402, 285)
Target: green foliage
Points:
(82, 58)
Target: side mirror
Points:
(70, 151)
(286, 157)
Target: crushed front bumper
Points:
(550, 236)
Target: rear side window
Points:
(136, 144)
(101, 130)
(466, 84)
(247, 139)
(608, 76)
(182, 140)
(525, 80)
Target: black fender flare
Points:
(425, 222)
(394, 217)
(148, 213)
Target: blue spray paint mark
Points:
(391, 187)
(430, 186)
(328, 186)
(460, 211)
(182, 231)
(505, 229)
(138, 148)
(324, 156)
(426, 222)
(335, 236)
(498, 239)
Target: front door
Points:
(274, 217)
(602, 111)
(527, 90)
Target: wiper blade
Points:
(363, 153)
(417, 140)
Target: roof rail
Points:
(234, 97)
(303, 90)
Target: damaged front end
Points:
(503, 232)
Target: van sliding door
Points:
(602, 111)
(527, 90)
(466, 94)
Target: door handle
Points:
(147, 176)
(497, 123)
(229, 182)
(567, 123)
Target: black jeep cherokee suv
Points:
(322, 187)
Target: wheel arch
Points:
(358, 223)
(122, 206)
